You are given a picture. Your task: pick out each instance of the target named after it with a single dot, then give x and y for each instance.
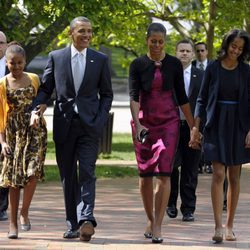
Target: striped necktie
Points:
(201, 66)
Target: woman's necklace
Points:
(158, 59)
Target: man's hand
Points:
(41, 108)
(37, 114)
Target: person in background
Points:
(3, 71)
(154, 81)
(186, 158)
(23, 146)
(225, 99)
(201, 53)
(82, 82)
(201, 63)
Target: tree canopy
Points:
(42, 25)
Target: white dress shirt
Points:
(80, 73)
(204, 64)
(187, 77)
(2, 67)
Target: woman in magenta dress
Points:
(156, 90)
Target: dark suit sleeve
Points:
(179, 86)
(106, 92)
(201, 104)
(47, 85)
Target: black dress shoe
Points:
(172, 212)
(70, 234)
(188, 217)
(200, 170)
(148, 235)
(208, 169)
(157, 239)
(3, 215)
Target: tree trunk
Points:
(40, 42)
(210, 30)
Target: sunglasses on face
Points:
(200, 50)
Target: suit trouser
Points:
(81, 150)
(188, 160)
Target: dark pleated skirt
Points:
(224, 141)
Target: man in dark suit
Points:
(201, 53)
(3, 72)
(186, 158)
(82, 81)
(201, 63)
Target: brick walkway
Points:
(121, 220)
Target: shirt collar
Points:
(3, 59)
(74, 51)
(188, 69)
(204, 62)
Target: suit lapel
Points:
(68, 68)
(193, 78)
(88, 68)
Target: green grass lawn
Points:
(52, 172)
(122, 149)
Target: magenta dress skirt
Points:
(160, 114)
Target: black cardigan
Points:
(141, 75)
(208, 95)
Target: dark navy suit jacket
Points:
(94, 97)
(194, 87)
(208, 95)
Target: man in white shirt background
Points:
(186, 158)
(3, 47)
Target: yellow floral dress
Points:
(28, 144)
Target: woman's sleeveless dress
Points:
(28, 144)
(158, 113)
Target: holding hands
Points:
(36, 115)
(195, 138)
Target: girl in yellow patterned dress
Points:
(23, 146)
